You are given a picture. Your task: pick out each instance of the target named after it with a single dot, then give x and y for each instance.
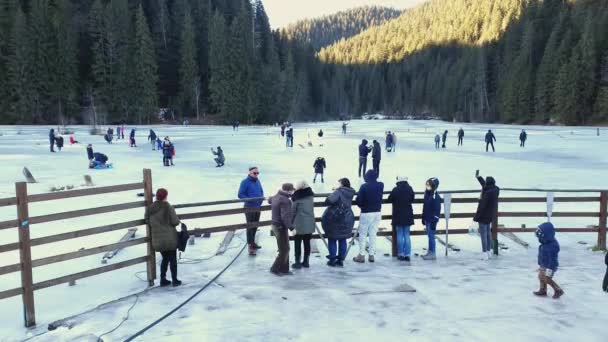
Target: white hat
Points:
(401, 179)
(301, 185)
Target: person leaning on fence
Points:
(338, 221)
(282, 222)
(251, 187)
(431, 211)
(402, 197)
(548, 252)
(162, 219)
(303, 222)
(487, 210)
(605, 283)
(369, 199)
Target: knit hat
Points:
(401, 179)
(301, 185)
(287, 187)
(161, 194)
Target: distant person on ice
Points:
(251, 187)
(220, 159)
(152, 138)
(402, 197)
(437, 141)
(159, 144)
(99, 161)
(320, 135)
(59, 142)
(319, 167)
(460, 136)
(110, 135)
(389, 141)
(132, 138)
(369, 199)
(394, 142)
(168, 151)
(547, 260)
(282, 222)
(431, 211)
(303, 222)
(289, 140)
(90, 152)
(52, 140)
(490, 139)
(376, 157)
(338, 222)
(523, 136)
(364, 150)
(73, 140)
(487, 210)
(444, 138)
(162, 219)
(344, 127)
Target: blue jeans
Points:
(404, 243)
(335, 245)
(486, 237)
(430, 232)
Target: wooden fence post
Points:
(25, 255)
(601, 233)
(151, 265)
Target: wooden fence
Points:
(23, 222)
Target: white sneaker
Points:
(490, 255)
(485, 256)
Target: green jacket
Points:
(162, 219)
(303, 210)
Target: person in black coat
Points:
(460, 136)
(319, 167)
(167, 152)
(132, 138)
(376, 156)
(364, 150)
(152, 139)
(90, 154)
(402, 197)
(444, 138)
(490, 139)
(523, 136)
(487, 210)
(52, 139)
(59, 143)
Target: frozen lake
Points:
(458, 298)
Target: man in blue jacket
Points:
(251, 187)
(369, 199)
(547, 260)
(431, 211)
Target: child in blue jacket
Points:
(431, 211)
(547, 260)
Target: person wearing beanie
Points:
(162, 220)
(303, 212)
(431, 211)
(401, 197)
(282, 221)
(487, 210)
(369, 199)
(319, 167)
(251, 187)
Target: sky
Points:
(284, 12)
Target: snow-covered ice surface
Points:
(458, 298)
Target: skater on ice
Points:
(548, 252)
(162, 220)
(523, 136)
(52, 140)
(159, 144)
(90, 154)
(338, 221)
(402, 197)
(444, 138)
(490, 139)
(389, 141)
(132, 138)
(110, 133)
(251, 187)
(460, 136)
(369, 199)
(319, 167)
(152, 138)
(303, 222)
(487, 210)
(437, 141)
(364, 150)
(220, 159)
(59, 142)
(289, 140)
(344, 124)
(168, 151)
(282, 222)
(431, 211)
(376, 156)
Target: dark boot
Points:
(558, 293)
(252, 250)
(297, 264)
(333, 262)
(340, 262)
(305, 263)
(176, 283)
(164, 282)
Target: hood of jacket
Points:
(545, 233)
(490, 181)
(434, 183)
(347, 193)
(302, 193)
(364, 142)
(370, 176)
(157, 206)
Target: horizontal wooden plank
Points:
(9, 247)
(89, 273)
(85, 232)
(10, 269)
(544, 214)
(87, 252)
(561, 230)
(5, 202)
(84, 192)
(11, 293)
(413, 232)
(86, 212)
(9, 224)
(225, 212)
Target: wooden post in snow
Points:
(601, 237)
(25, 255)
(151, 269)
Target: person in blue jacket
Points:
(251, 187)
(431, 211)
(547, 260)
(369, 199)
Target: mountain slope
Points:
(324, 31)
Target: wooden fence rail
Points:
(25, 243)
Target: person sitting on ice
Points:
(99, 161)
(548, 252)
(220, 160)
(319, 167)
(73, 140)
